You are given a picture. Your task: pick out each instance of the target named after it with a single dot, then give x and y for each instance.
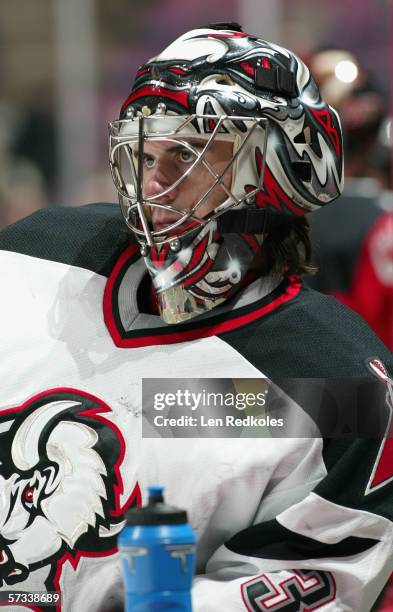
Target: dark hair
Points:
(287, 249)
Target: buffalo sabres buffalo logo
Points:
(60, 484)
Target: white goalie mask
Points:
(219, 129)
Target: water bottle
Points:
(157, 551)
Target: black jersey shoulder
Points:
(89, 236)
(312, 335)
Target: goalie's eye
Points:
(149, 161)
(186, 156)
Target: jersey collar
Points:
(131, 329)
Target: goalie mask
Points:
(219, 130)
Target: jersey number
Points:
(300, 591)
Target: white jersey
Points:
(282, 524)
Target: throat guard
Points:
(208, 269)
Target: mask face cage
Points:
(127, 141)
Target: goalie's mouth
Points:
(162, 219)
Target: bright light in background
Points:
(346, 71)
(389, 130)
(385, 133)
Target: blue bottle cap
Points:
(156, 512)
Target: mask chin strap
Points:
(249, 221)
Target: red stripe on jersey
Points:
(109, 318)
(384, 469)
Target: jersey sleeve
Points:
(331, 551)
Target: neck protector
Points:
(206, 268)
